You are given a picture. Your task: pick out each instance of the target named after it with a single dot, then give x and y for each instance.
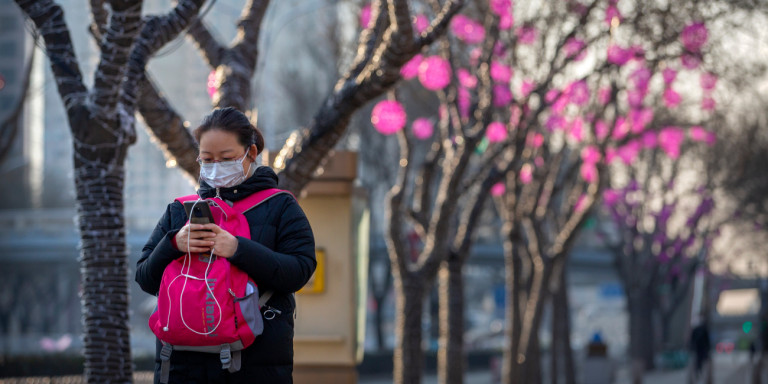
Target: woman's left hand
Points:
(224, 244)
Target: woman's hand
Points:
(224, 244)
(194, 238)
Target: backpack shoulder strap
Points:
(182, 199)
(257, 198)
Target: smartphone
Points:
(199, 212)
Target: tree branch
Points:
(49, 21)
(212, 51)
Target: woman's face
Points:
(217, 145)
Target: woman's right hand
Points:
(193, 238)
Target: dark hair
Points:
(231, 120)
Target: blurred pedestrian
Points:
(700, 345)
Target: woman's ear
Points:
(253, 151)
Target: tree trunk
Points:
(99, 180)
(409, 309)
(561, 334)
(641, 333)
(512, 329)
(450, 358)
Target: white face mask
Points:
(224, 174)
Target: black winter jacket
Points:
(280, 256)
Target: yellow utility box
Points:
(330, 322)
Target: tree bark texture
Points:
(561, 335)
(451, 359)
(641, 331)
(409, 303)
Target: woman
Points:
(279, 256)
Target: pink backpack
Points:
(207, 305)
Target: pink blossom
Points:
(551, 95)
(621, 128)
(640, 119)
(500, 7)
(581, 203)
(365, 16)
(212, 88)
(527, 35)
(466, 79)
(435, 73)
(671, 98)
(628, 153)
(601, 129)
(411, 68)
(501, 95)
(640, 78)
(604, 95)
(467, 29)
(618, 55)
(422, 128)
(464, 101)
(526, 173)
(670, 139)
(506, 21)
(610, 155)
(577, 92)
(496, 132)
(635, 97)
(638, 52)
(514, 115)
(499, 49)
(708, 103)
(694, 36)
(555, 122)
(669, 75)
(698, 133)
(576, 129)
(590, 154)
(526, 87)
(498, 189)
(388, 117)
(611, 196)
(500, 72)
(421, 23)
(474, 56)
(610, 13)
(690, 61)
(574, 48)
(535, 140)
(649, 140)
(708, 81)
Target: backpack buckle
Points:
(270, 313)
(225, 356)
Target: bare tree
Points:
(102, 125)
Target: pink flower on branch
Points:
(467, 29)
(708, 103)
(501, 7)
(629, 152)
(590, 155)
(612, 12)
(526, 87)
(640, 118)
(496, 132)
(501, 95)
(576, 129)
(527, 35)
(581, 203)
(708, 81)
(526, 173)
(601, 129)
(212, 88)
(698, 133)
(411, 68)
(535, 140)
(604, 95)
(464, 102)
(669, 75)
(500, 72)
(649, 140)
(421, 23)
(466, 79)
(388, 117)
(690, 61)
(498, 189)
(422, 128)
(694, 36)
(575, 48)
(618, 55)
(577, 92)
(506, 21)
(670, 140)
(671, 98)
(365, 16)
(435, 73)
